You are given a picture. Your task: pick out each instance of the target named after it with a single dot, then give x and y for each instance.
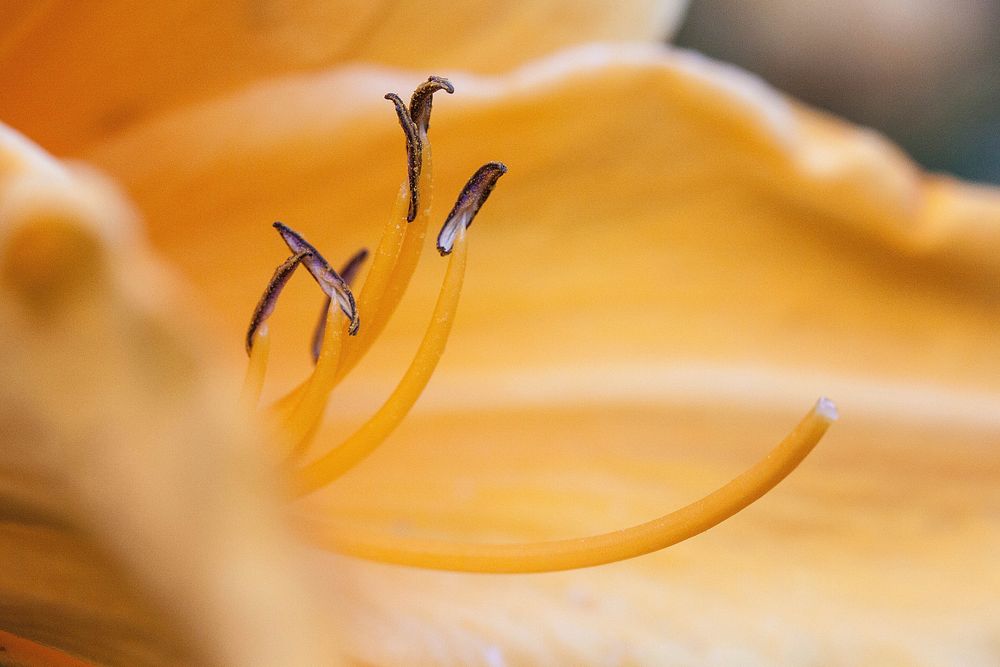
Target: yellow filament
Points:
(378, 275)
(389, 293)
(385, 258)
(305, 417)
(391, 270)
(645, 538)
(253, 383)
(371, 434)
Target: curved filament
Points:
(386, 299)
(305, 417)
(645, 538)
(392, 268)
(385, 258)
(371, 434)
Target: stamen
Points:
(370, 435)
(422, 99)
(645, 538)
(378, 276)
(328, 280)
(306, 416)
(473, 195)
(258, 340)
(386, 295)
(269, 299)
(373, 432)
(395, 261)
(347, 273)
(380, 298)
(350, 269)
(413, 149)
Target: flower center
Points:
(347, 329)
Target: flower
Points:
(712, 251)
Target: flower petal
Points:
(75, 72)
(711, 216)
(138, 519)
(674, 241)
(878, 549)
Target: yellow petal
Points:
(73, 72)
(877, 550)
(139, 520)
(673, 241)
(657, 204)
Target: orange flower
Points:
(679, 258)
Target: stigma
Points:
(349, 326)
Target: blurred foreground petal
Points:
(139, 520)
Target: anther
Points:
(423, 96)
(347, 273)
(473, 195)
(328, 280)
(414, 148)
(269, 299)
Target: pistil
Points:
(308, 413)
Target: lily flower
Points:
(677, 258)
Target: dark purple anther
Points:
(347, 272)
(269, 299)
(420, 102)
(328, 280)
(414, 150)
(474, 194)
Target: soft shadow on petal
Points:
(140, 519)
(75, 72)
(679, 260)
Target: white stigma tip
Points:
(827, 408)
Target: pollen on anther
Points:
(328, 280)
(475, 193)
(414, 148)
(269, 299)
(347, 272)
(422, 100)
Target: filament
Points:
(347, 273)
(386, 299)
(645, 538)
(385, 258)
(392, 268)
(373, 432)
(307, 413)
